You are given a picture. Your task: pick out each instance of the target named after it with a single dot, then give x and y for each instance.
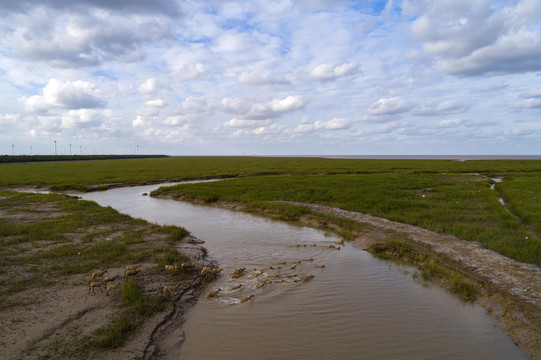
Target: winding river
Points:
(355, 307)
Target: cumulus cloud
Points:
(178, 120)
(328, 72)
(384, 108)
(85, 118)
(261, 77)
(273, 108)
(450, 123)
(533, 93)
(192, 110)
(305, 126)
(470, 38)
(67, 95)
(532, 99)
(243, 123)
(262, 132)
(433, 108)
(74, 41)
(196, 105)
(190, 72)
(140, 121)
(155, 103)
(9, 122)
(334, 124)
(152, 87)
(163, 7)
(250, 71)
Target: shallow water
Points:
(356, 307)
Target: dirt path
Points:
(512, 290)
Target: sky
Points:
(270, 77)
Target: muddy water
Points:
(356, 307)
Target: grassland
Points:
(458, 204)
(81, 175)
(450, 197)
(51, 240)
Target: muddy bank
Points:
(67, 312)
(509, 290)
(47, 308)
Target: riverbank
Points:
(509, 290)
(50, 247)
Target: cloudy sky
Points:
(270, 77)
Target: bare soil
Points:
(50, 320)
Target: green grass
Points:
(458, 204)
(136, 307)
(82, 174)
(523, 195)
(430, 268)
(37, 230)
(457, 198)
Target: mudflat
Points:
(48, 308)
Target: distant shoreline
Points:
(417, 157)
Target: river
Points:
(355, 307)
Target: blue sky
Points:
(270, 77)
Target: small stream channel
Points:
(356, 307)
(493, 187)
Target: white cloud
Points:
(243, 123)
(153, 86)
(328, 72)
(139, 121)
(190, 72)
(87, 40)
(195, 104)
(272, 77)
(470, 38)
(533, 93)
(164, 7)
(334, 124)
(261, 77)
(532, 99)
(273, 108)
(450, 123)
(433, 108)
(67, 95)
(384, 108)
(85, 118)
(533, 103)
(305, 126)
(155, 103)
(179, 120)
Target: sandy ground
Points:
(65, 312)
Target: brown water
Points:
(356, 307)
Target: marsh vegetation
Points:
(52, 240)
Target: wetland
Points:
(297, 289)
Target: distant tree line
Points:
(36, 158)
